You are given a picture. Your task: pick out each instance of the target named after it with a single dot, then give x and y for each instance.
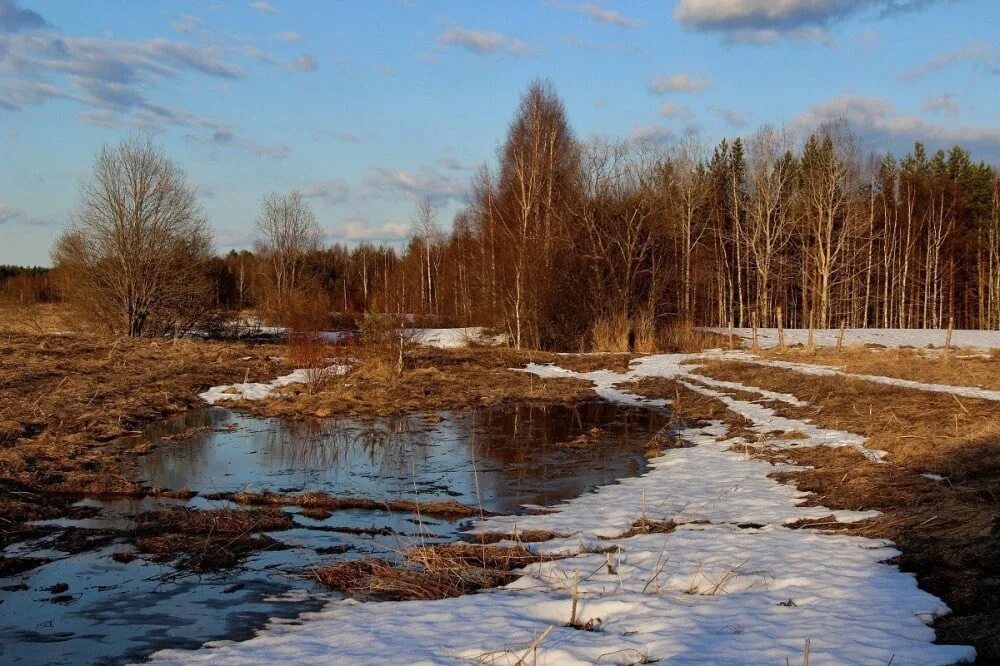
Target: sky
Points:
(366, 107)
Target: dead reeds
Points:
(429, 572)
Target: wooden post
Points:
(811, 342)
(755, 343)
(781, 331)
(947, 340)
(840, 338)
(732, 340)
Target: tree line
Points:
(575, 244)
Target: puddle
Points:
(502, 459)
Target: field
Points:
(805, 464)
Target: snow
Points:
(451, 338)
(260, 391)
(718, 589)
(888, 337)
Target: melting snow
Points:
(732, 584)
(260, 391)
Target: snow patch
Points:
(888, 337)
(260, 391)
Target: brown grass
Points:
(211, 539)
(64, 399)
(448, 509)
(35, 318)
(432, 380)
(952, 369)
(432, 572)
(622, 334)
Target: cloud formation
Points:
(983, 56)
(678, 83)
(439, 188)
(482, 42)
(264, 7)
(765, 21)
(878, 122)
(731, 117)
(304, 63)
(14, 18)
(8, 212)
(943, 103)
(331, 191)
(114, 80)
(609, 16)
(651, 133)
(288, 36)
(671, 109)
(359, 231)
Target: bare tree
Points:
(427, 233)
(770, 217)
(133, 258)
(287, 232)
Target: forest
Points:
(571, 244)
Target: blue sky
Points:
(366, 106)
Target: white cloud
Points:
(288, 36)
(116, 80)
(876, 120)
(765, 21)
(732, 118)
(984, 56)
(427, 183)
(278, 151)
(482, 42)
(186, 24)
(671, 109)
(304, 63)
(264, 7)
(651, 133)
(609, 16)
(359, 231)
(943, 103)
(8, 212)
(680, 82)
(453, 164)
(332, 191)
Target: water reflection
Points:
(500, 458)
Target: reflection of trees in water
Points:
(183, 463)
(532, 432)
(385, 446)
(494, 454)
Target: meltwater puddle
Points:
(86, 606)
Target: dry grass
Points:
(432, 380)
(954, 369)
(948, 532)
(681, 337)
(210, 539)
(63, 399)
(622, 334)
(431, 572)
(36, 318)
(447, 509)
